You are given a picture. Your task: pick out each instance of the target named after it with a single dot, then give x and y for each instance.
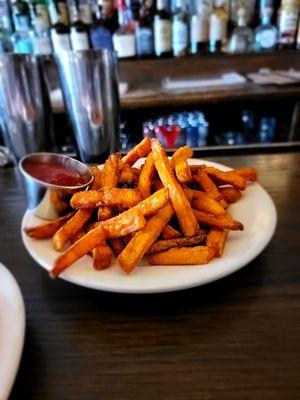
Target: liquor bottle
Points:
(265, 35)
(79, 30)
(236, 5)
(101, 36)
(41, 38)
(218, 26)
(287, 23)
(180, 29)
(162, 30)
(86, 12)
(58, 11)
(22, 38)
(242, 37)
(199, 27)
(144, 33)
(124, 38)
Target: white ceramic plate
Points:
(12, 328)
(255, 210)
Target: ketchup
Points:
(55, 174)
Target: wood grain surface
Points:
(237, 338)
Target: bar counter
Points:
(237, 338)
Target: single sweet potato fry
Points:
(218, 222)
(207, 185)
(97, 182)
(127, 176)
(225, 178)
(170, 233)
(162, 245)
(110, 171)
(146, 176)
(182, 256)
(72, 226)
(230, 194)
(125, 198)
(117, 245)
(154, 202)
(143, 239)
(121, 225)
(102, 256)
(104, 213)
(140, 150)
(87, 199)
(47, 230)
(179, 159)
(216, 240)
(250, 174)
(180, 203)
(205, 203)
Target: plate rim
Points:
(170, 287)
(20, 320)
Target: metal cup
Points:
(25, 115)
(42, 196)
(90, 87)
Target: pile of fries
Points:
(170, 211)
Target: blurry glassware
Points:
(25, 114)
(230, 138)
(265, 35)
(90, 87)
(242, 36)
(266, 130)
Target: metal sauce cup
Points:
(41, 195)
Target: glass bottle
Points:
(199, 27)
(236, 5)
(101, 36)
(144, 33)
(218, 25)
(287, 23)
(79, 31)
(242, 37)
(58, 12)
(41, 38)
(22, 38)
(162, 30)
(86, 11)
(180, 29)
(265, 35)
(124, 38)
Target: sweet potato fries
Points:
(172, 212)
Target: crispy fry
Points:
(205, 203)
(121, 225)
(59, 204)
(225, 178)
(182, 256)
(140, 150)
(230, 194)
(117, 245)
(221, 222)
(178, 199)
(87, 199)
(78, 235)
(182, 170)
(102, 256)
(46, 231)
(127, 176)
(104, 213)
(71, 227)
(97, 182)
(154, 202)
(110, 171)
(207, 185)
(250, 174)
(216, 240)
(170, 233)
(162, 245)
(146, 176)
(125, 198)
(142, 240)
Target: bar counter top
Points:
(237, 338)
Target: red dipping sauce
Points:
(55, 174)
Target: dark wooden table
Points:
(237, 338)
